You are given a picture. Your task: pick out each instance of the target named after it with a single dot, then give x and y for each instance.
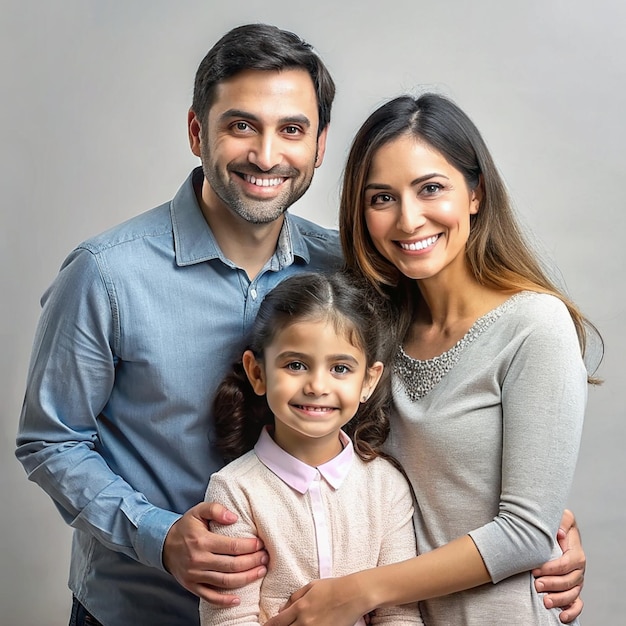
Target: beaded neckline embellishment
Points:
(420, 377)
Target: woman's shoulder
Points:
(532, 306)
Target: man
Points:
(141, 324)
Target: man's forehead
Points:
(277, 93)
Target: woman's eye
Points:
(431, 188)
(381, 198)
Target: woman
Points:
(489, 383)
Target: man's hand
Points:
(562, 579)
(203, 562)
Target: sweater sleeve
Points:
(247, 612)
(398, 543)
(544, 393)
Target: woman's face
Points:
(417, 208)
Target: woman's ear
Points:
(255, 372)
(477, 195)
(371, 380)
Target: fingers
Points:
(216, 593)
(563, 599)
(555, 584)
(570, 613)
(569, 568)
(215, 512)
(204, 562)
(568, 521)
(288, 614)
(229, 572)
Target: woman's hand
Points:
(562, 579)
(326, 602)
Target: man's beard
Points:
(249, 209)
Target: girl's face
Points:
(314, 380)
(417, 208)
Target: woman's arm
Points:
(543, 405)
(341, 601)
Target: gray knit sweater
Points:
(489, 434)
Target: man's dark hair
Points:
(261, 47)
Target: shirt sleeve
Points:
(544, 394)
(70, 379)
(398, 544)
(247, 612)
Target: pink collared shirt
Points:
(303, 478)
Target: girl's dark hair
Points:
(498, 254)
(356, 311)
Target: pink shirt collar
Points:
(299, 475)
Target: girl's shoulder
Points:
(381, 473)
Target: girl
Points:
(313, 366)
(489, 384)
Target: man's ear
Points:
(255, 372)
(321, 147)
(193, 131)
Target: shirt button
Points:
(253, 293)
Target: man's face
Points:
(259, 145)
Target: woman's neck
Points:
(448, 309)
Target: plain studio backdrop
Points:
(93, 131)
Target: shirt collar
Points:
(194, 241)
(299, 475)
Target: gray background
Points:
(93, 130)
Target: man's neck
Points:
(247, 245)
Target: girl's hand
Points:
(326, 602)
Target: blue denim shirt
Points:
(136, 332)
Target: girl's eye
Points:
(295, 366)
(341, 369)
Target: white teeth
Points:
(419, 245)
(262, 182)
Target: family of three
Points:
(426, 329)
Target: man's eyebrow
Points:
(300, 120)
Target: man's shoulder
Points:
(156, 222)
(319, 246)
(307, 228)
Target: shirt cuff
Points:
(151, 532)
